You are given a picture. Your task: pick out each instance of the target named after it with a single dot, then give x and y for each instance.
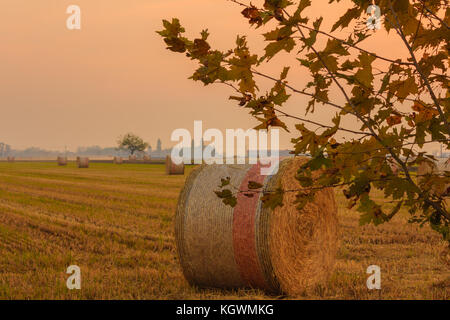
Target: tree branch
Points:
(434, 15)
(419, 70)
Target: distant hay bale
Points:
(118, 160)
(394, 167)
(280, 251)
(78, 160)
(425, 168)
(172, 168)
(83, 162)
(437, 167)
(11, 159)
(146, 158)
(62, 161)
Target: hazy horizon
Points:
(86, 87)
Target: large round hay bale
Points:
(172, 168)
(11, 159)
(62, 161)
(146, 158)
(83, 162)
(118, 160)
(280, 251)
(78, 160)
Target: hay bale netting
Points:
(280, 251)
(172, 168)
(83, 162)
(118, 160)
(62, 161)
(11, 159)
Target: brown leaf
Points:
(393, 120)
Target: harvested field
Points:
(117, 224)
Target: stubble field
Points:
(116, 223)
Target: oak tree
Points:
(131, 143)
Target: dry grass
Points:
(116, 223)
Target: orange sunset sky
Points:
(61, 87)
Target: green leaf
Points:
(345, 20)
(403, 88)
(253, 185)
(273, 199)
(275, 47)
(335, 47)
(225, 182)
(227, 197)
(303, 5)
(302, 199)
(284, 74)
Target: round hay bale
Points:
(62, 161)
(394, 167)
(11, 159)
(83, 162)
(437, 167)
(425, 168)
(280, 251)
(78, 160)
(118, 160)
(172, 168)
(146, 158)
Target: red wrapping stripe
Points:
(244, 240)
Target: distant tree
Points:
(131, 143)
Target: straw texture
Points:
(279, 251)
(302, 245)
